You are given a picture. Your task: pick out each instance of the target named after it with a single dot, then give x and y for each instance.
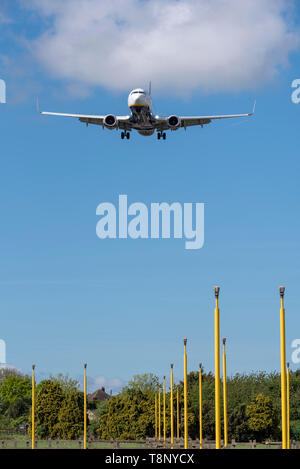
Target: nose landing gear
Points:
(125, 134)
(162, 135)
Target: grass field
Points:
(16, 441)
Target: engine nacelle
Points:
(174, 122)
(110, 121)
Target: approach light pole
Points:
(217, 371)
(84, 410)
(177, 395)
(225, 395)
(33, 410)
(185, 397)
(164, 410)
(283, 370)
(172, 408)
(200, 406)
(159, 415)
(288, 404)
(155, 414)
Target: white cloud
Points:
(181, 45)
(97, 382)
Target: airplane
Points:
(143, 119)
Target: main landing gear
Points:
(162, 135)
(125, 134)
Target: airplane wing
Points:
(123, 121)
(188, 121)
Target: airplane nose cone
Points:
(139, 100)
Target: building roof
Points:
(99, 395)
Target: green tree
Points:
(70, 417)
(129, 416)
(146, 383)
(14, 387)
(208, 405)
(49, 400)
(246, 421)
(95, 412)
(66, 383)
(15, 399)
(4, 372)
(19, 408)
(262, 419)
(237, 424)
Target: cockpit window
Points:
(138, 92)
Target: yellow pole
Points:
(200, 404)
(288, 405)
(164, 410)
(159, 416)
(283, 371)
(177, 414)
(185, 398)
(217, 371)
(225, 395)
(172, 407)
(33, 410)
(155, 418)
(84, 411)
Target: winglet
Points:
(253, 110)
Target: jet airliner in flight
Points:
(143, 119)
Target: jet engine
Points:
(174, 122)
(110, 121)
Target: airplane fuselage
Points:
(142, 118)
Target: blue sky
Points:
(124, 306)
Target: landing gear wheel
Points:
(164, 135)
(122, 135)
(158, 136)
(127, 135)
